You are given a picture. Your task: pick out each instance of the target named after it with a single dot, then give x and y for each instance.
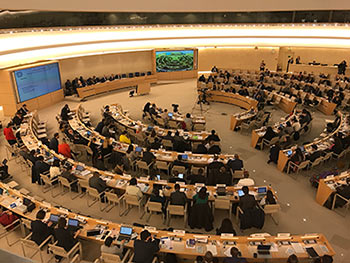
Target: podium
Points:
(143, 88)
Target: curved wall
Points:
(174, 6)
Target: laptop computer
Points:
(54, 219)
(181, 176)
(73, 224)
(240, 193)
(184, 157)
(79, 168)
(170, 114)
(138, 149)
(124, 233)
(264, 249)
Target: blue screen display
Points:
(37, 81)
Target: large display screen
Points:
(176, 60)
(37, 81)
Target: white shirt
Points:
(245, 182)
(296, 126)
(134, 190)
(54, 171)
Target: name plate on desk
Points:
(63, 211)
(151, 229)
(228, 236)
(179, 232)
(126, 176)
(46, 204)
(162, 182)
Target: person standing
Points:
(10, 137)
(262, 65)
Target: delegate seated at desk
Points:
(40, 230)
(145, 248)
(133, 189)
(109, 248)
(198, 178)
(96, 182)
(177, 197)
(235, 164)
(213, 137)
(247, 201)
(148, 156)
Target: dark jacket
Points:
(235, 164)
(145, 251)
(54, 144)
(253, 217)
(40, 231)
(201, 216)
(148, 157)
(64, 238)
(178, 198)
(247, 202)
(97, 183)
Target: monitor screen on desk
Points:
(174, 60)
(184, 157)
(289, 152)
(240, 193)
(181, 176)
(54, 218)
(262, 190)
(125, 230)
(73, 222)
(170, 114)
(158, 177)
(138, 149)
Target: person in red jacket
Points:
(10, 137)
(64, 149)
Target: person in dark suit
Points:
(213, 137)
(41, 166)
(235, 164)
(145, 248)
(96, 182)
(315, 154)
(54, 142)
(40, 230)
(247, 201)
(179, 162)
(197, 178)
(269, 134)
(177, 197)
(64, 113)
(147, 156)
(201, 149)
(64, 237)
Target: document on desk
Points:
(212, 249)
(298, 248)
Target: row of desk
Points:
(142, 83)
(287, 104)
(282, 245)
(132, 126)
(322, 143)
(161, 154)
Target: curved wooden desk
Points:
(130, 125)
(161, 154)
(243, 243)
(144, 82)
(325, 142)
(257, 134)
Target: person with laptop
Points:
(268, 199)
(148, 156)
(145, 248)
(235, 256)
(177, 197)
(96, 182)
(197, 178)
(133, 189)
(40, 230)
(179, 161)
(247, 201)
(110, 248)
(64, 236)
